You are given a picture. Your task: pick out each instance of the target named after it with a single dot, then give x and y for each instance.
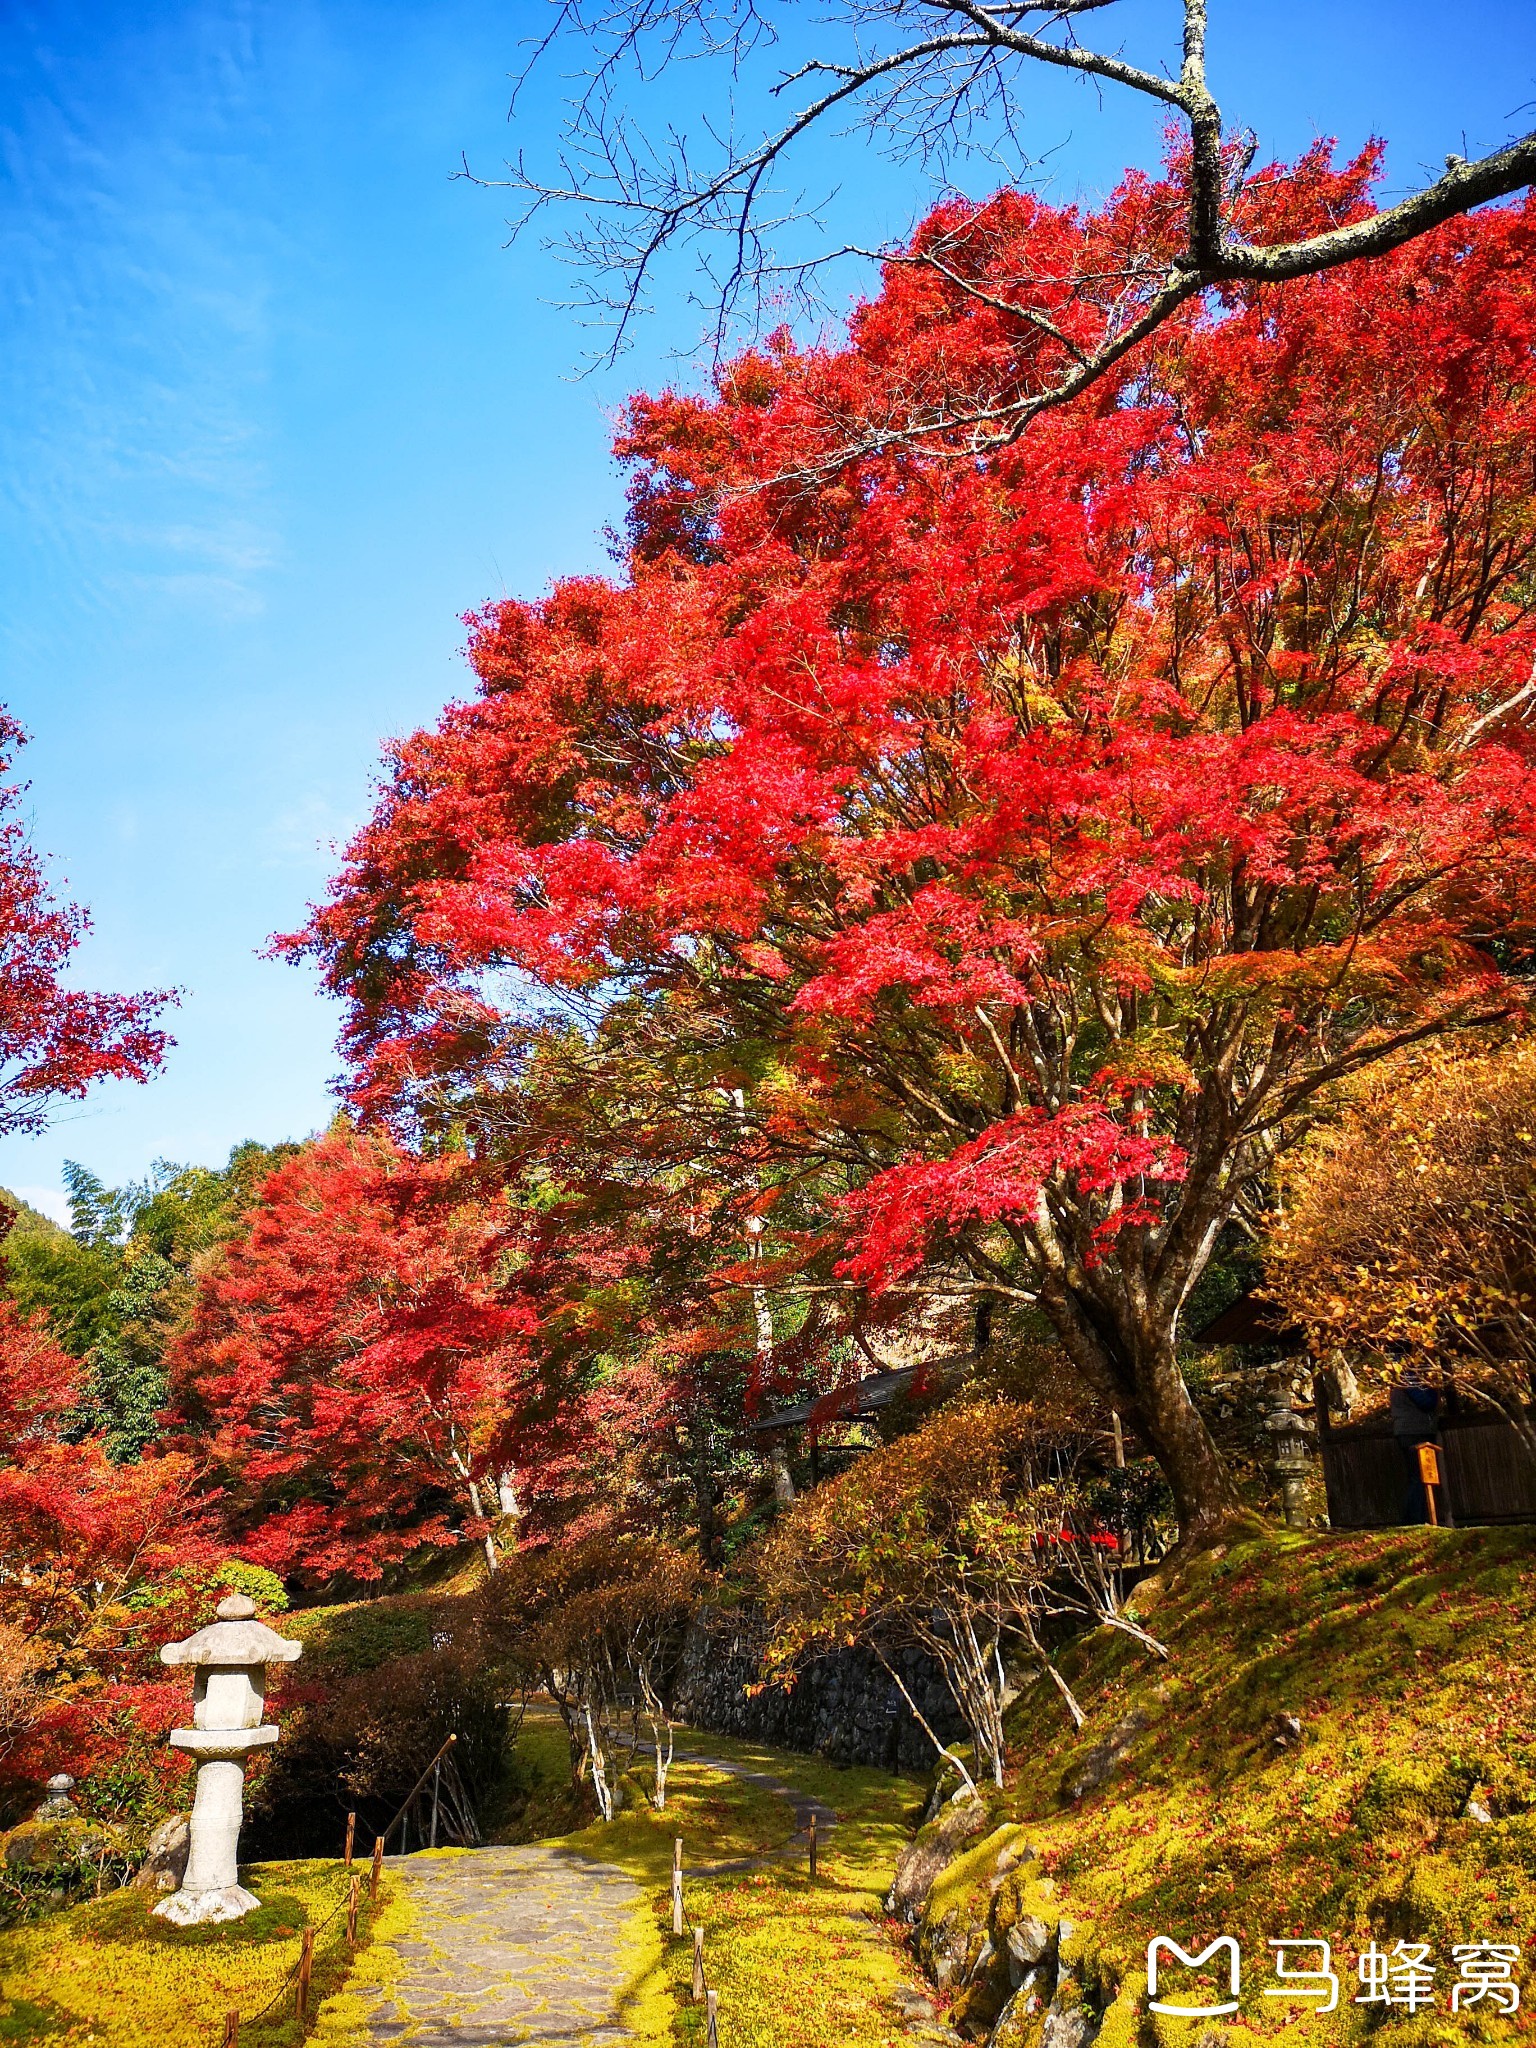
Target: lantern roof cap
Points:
(235, 1638)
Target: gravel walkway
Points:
(517, 1945)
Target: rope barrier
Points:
(292, 1974)
(411, 1795)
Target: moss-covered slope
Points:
(1402, 1809)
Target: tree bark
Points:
(706, 1497)
(487, 1541)
(1136, 1373)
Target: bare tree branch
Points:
(928, 80)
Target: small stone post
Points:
(231, 1658)
(1292, 1460)
(58, 1805)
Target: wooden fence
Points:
(1370, 1480)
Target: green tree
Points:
(50, 1271)
(117, 1285)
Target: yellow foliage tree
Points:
(965, 1540)
(1410, 1227)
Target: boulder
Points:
(1102, 1759)
(920, 2018)
(165, 1857)
(1018, 2023)
(986, 1989)
(1029, 1941)
(66, 1849)
(1074, 2028)
(930, 1854)
(1287, 1731)
(1069, 2023)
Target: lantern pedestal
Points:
(1293, 1460)
(211, 1888)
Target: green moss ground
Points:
(796, 1965)
(535, 1799)
(111, 1974)
(1409, 1656)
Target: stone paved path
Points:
(525, 1947)
(518, 1946)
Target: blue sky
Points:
(278, 407)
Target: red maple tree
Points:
(97, 1561)
(79, 1533)
(353, 1365)
(54, 1042)
(1029, 842)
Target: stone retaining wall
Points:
(844, 1706)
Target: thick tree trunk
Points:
(1137, 1375)
(706, 1497)
(487, 1541)
(1204, 1495)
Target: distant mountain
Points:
(30, 1222)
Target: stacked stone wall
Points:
(845, 1706)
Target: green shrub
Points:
(45, 1864)
(360, 1638)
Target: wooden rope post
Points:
(378, 1865)
(813, 1845)
(306, 1968)
(677, 1884)
(231, 2030)
(698, 1966)
(351, 1837)
(712, 2019)
(357, 1885)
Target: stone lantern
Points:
(231, 1658)
(1293, 1459)
(58, 1805)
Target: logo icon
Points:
(1161, 1942)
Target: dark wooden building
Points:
(1369, 1466)
(1487, 1475)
